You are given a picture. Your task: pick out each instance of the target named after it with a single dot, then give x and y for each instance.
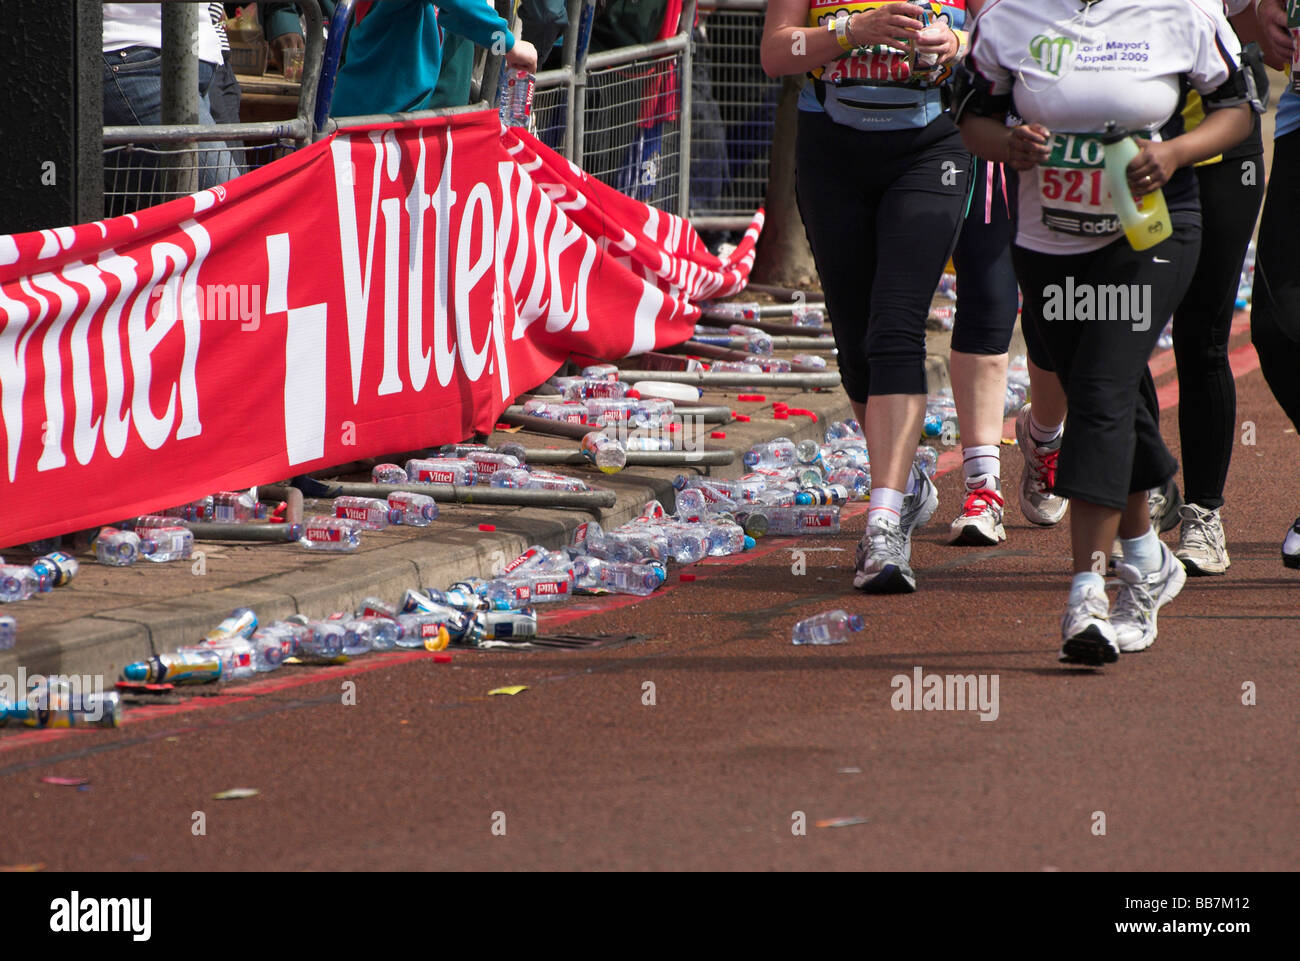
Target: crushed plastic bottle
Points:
(601, 372)
(378, 633)
(8, 632)
(756, 341)
(731, 310)
(505, 593)
(833, 627)
(488, 462)
(808, 315)
(324, 533)
(620, 577)
(369, 513)
(117, 548)
(442, 470)
(815, 361)
(855, 481)
(842, 430)
(585, 389)
(414, 510)
(567, 412)
(327, 641)
(428, 631)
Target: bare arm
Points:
(790, 46)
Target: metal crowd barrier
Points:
(733, 118)
(618, 114)
(148, 165)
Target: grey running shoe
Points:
(1140, 598)
(1164, 504)
(883, 560)
(919, 505)
(1291, 546)
(1087, 636)
(1037, 502)
(1201, 546)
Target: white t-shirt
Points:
(140, 25)
(1073, 68)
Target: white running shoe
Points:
(1291, 546)
(1037, 502)
(980, 522)
(1201, 545)
(919, 504)
(1140, 598)
(1087, 635)
(884, 560)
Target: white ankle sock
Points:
(886, 504)
(1087, 582)
(1143, 552)
(1041, 434)
(977, 461)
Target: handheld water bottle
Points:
(1146, 221)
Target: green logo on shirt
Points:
(1050, 52)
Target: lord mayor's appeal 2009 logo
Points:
(1051, 52)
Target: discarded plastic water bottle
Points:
(271, 645)
(117, 548)
(1018, 371)
(927, 459)
(638, 579)
(547, 586)
(691, 504)
(833, 627)
(606, 412)
(735, 367)
(488, 462)
(845, 430)
(947, 288)
(808, 452)
(186, 666)
(324, 533)
(1015, 399)
(724, 538)
(237, 656)
(605, 452)
(428, 631)
(167, 544)
(653, 413)
(45, 708)
(791, 520)
(648, 442)
(369, 513)
(686, 544)
(197, 510)
(507, 625)
(565, 411)
(733, 310)
(815, 361)
(457, 622)
(523, 479)
(807, 315)
(57, 567)
(506, 593)
(823, 494)
(376, 633)
(234, 507)
(415, 510)
(856, 481)
(777, 453)
(8, 632)
(771, 365)
(601, 372)
(1166, 339)
(442, 470)
(756, 341)
(584, 389)
(388, 474)
(327, 640)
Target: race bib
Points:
(1071, 190)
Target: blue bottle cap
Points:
(855, 622)
(803, 498)
(750, 543)
(138, 672)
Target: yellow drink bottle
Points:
(1146, 222)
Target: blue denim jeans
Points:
(133, 96)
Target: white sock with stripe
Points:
(886, 505)
(978, 462)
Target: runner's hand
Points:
(1273, 19)
(939, 41)
(522, 56)
(894, 25)
(1028, 146)
(1151, 169)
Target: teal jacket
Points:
(394, 52)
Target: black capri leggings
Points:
(1275, 302)
(1207, 407)
(987, 299)
(1112, 446)
(881, 210)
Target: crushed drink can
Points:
(515, 96)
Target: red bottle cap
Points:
(441, 657)
(487, 527)
(756, 398)
(718, 434)
(633, 395)
(686, 578)
(743, 417)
